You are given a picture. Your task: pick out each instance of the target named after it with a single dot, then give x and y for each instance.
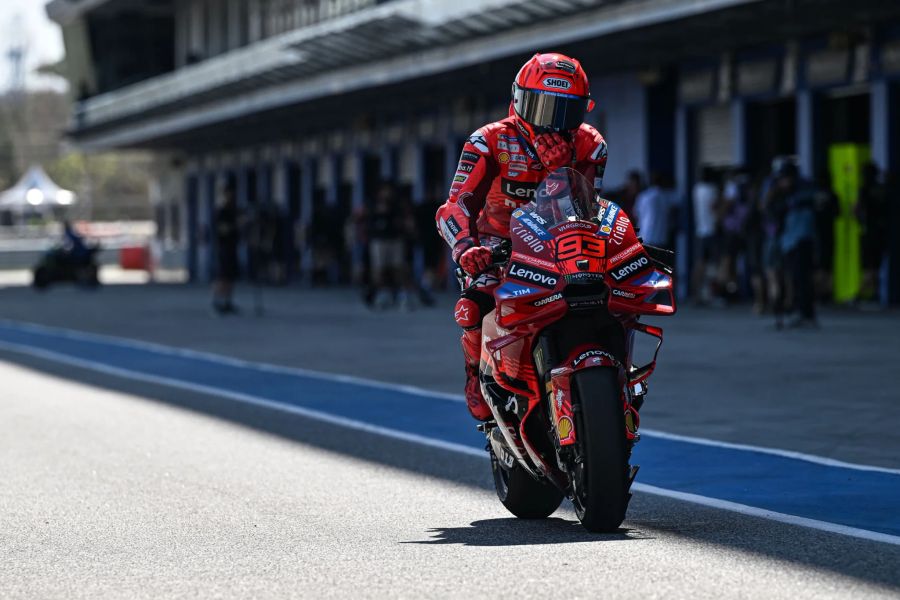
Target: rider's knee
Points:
(467, 313)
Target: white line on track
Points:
(406, 389)
(425, 441)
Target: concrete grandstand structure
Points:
(309, 103)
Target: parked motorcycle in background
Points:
(557, 365)
(60, 264)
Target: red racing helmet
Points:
(550, 94)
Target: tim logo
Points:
(558, 83)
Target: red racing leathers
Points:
(498, 171)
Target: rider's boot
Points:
(474, 399)
(471, 343)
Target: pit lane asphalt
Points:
(118, 490)
(113, 489)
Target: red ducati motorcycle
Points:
(556, 360)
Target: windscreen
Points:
(565, 195)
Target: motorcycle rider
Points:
(500, 168)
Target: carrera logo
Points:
(519, 189)
(548, 299)
(557, 83)
(539, 277)
(621, 294)
(626, 271)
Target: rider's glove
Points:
(473, 259)
(553, 150)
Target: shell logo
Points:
(503, 157)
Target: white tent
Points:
(35, 192)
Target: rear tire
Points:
(601, 480)
(523, 495)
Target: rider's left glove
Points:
(553, 150)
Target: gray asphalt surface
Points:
(115, 492)
(114, 489)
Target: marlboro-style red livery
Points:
(556, 364)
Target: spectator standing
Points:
(735, 212)
(797, 243)
(627, 195)
(754, 243)
(227, 237)
(387, 248)
(653, 212)
(705, 198)
(871, 211)
(827, 210)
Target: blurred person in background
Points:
(754, 246)
(73, 243)
(705, 197)
(773, 206)
(435, 253)
(227, 236)
(735, 212)
(500, 166)
(627, 195)
(827, 210)
(387, 230)
(871, 211)
(797, 243)
(654, 212)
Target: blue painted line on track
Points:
(862, 499)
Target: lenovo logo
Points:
(638, 264)
(519, 189)
(533, 275)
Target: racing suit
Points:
(498, 171)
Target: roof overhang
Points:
(66, 11)
(335, 58)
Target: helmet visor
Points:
(549, 110)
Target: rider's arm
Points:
(591, 154)
(457, 217)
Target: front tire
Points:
(600, 478)
(522, 494)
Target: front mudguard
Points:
(562, 411)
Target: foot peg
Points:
(632, 473)
(486, 427)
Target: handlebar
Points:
(499, 256)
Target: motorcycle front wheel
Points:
(600, 477)
(522, 494)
